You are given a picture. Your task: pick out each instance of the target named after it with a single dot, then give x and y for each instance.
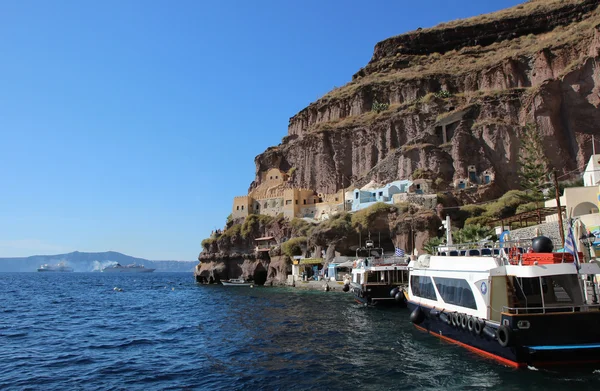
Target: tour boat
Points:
(236, 282)
(377, 281)
(522, 304)
(60, 267)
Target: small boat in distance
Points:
(59, 267)
(133, 268)
(236, 282)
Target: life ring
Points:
(471, 324)
(464, 321)
(504, 336)
(477, 326)
(354, 265)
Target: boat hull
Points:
(543, 344)
(56, 270)
(377, 295)
(235, 283)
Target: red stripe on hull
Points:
(503, 360)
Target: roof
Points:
(530, 215)
(264, 238)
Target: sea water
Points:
(162, 331)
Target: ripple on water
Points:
(75, 332)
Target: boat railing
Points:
(554, 309)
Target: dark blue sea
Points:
(73, 331)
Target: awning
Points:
(311, 261)
(264, 238)
(346, 264)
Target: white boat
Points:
(236, 282)
(521, 304)
(377, 281)
(59, 267)
(132, 268)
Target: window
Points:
(336, 198)
(421, 286)
(557, 290)
(238, 207)
(456, 291)
(288, 202)
(380, 194)
(304, 202)
(276, 177)
(242, 207)
(356, 195)
(271, 177)
(296, 202)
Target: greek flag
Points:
(399, 252)
(570, 246)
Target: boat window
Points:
(422, 286)
(372, 277)
(456, 291)
(557, 290)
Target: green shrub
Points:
(206, 243)
(294, 246)
(443, 94)
(365, 217)
(431, 243)
(479, 220)
(379, 107)
(473, 210)
(529, 206)
(506, 205)
(232, 231)
(253, 223)
(301, 227)
(471, 233)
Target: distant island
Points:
(89, 262)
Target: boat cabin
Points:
(488, 282)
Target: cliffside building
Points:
(273, 197)
(369, 195)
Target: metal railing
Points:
(555, 309)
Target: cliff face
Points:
(479, 81)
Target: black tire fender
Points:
(477, 326)
(464, 321)
(471, 324)
(504, 336)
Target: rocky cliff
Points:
(430, 104)
(479, 80)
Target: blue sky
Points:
(131, 125)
